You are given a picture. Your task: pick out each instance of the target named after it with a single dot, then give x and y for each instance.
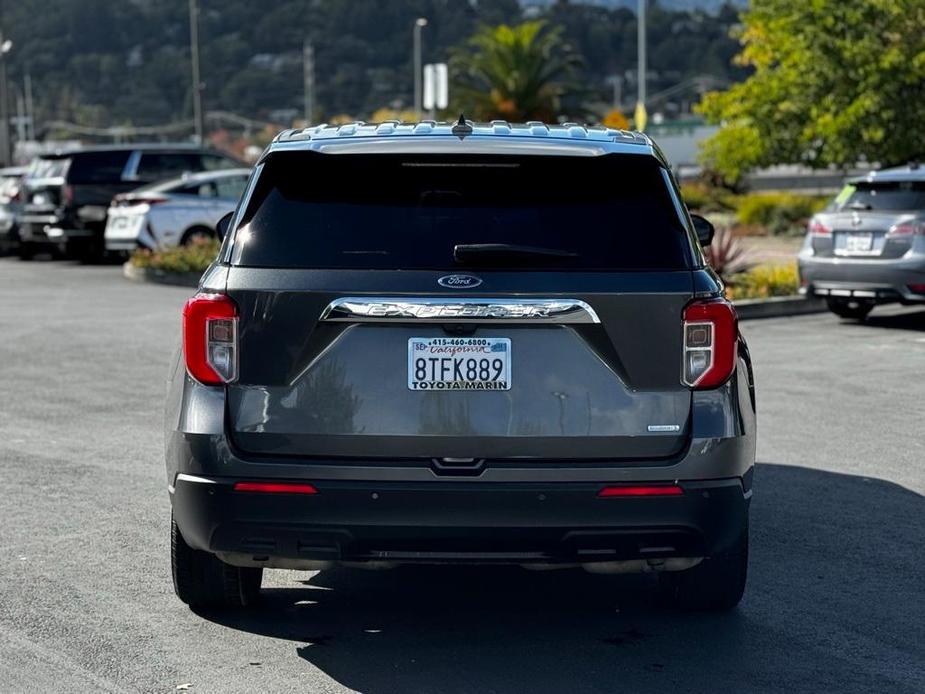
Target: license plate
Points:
(859, 243)
(459, 363)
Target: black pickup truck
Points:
(67, 193)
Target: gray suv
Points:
(469, 343)
(868, 246)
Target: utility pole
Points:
(198, 116)
(641, 116)
(308, 76)
(419, 24)
(30, 106)
(5, 157)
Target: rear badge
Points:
(664, 428)
(459, 281)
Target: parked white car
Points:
(173, 212)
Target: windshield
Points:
(412, 212)
(893, 196)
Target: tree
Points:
(835, 82)
(515, 73)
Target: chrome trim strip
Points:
(380, 309)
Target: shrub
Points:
(779, 213)
(725, 255)
(702, 197)
(764, 281)
(195, 257)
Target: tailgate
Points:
(595, 376)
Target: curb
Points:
(778, 306)
(147, 274)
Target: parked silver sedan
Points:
(173, 212)
(868, 246)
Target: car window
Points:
(892, 196)
(154, 166)
(97, 167)
(230, 188)
(48, 168)
(216, 162)
(410, 212)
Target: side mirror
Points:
(704, 229)
(221, 228)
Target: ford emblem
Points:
(459, 281)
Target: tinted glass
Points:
(215, 162)
(97, 167)
(158, 165)
(230, 188)
(902, 195)
(410, 212)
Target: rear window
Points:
(159, 165)
(894, 196)
(415, 212)
(97, 167)
(48, 168)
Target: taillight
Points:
(710, 343)
(907, 229)
(210, 338)
(131, 201)
(67, 193)
(817, 228)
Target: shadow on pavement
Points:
(835, 602)
(907, 320)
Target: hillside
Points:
(101, 63)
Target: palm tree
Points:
(515, 73)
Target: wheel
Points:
(201, 579)
(196, 234)
(846, 308)
(26, 251)
(717, 583)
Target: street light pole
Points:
(641, 115)
(419, 24)
(198, 119)
(308, 78)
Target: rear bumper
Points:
(52, 230)
(870, 280)
(457, 521)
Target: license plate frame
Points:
(488, 359)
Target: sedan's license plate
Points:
(859, 243)
(459, 363)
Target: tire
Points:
(715, 584)
(201, 579)
(855, 310)
(194, 233)
(26, 251)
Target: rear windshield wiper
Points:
(860, 206)
(505, 252)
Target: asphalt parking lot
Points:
(835, 602)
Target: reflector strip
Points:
(642, 490)
(275, 487)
